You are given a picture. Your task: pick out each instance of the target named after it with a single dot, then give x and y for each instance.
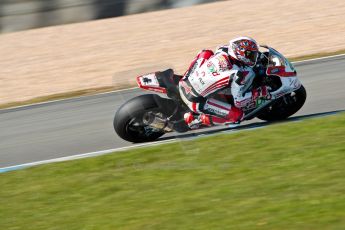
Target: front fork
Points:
(288, 85)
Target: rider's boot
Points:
(220, 112)
(235, 116)
(192, 120)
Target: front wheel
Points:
(128, 120)
(285, 106)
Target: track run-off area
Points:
(82, 127)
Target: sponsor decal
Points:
(215, 110)
(250, 106)
(283, 92)
(275, 70)
(212, 68)
(223, 63)
(295, 83)
(146, 80)
(260, 101)
(159, 90)
(243, 102)
(149, 80)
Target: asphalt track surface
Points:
(82, 125)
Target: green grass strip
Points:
(286, 176)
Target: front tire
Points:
(285, 106)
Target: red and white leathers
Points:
(210, 74)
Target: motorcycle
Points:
(147, 117)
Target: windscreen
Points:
(278, 65)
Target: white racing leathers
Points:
(210, 75)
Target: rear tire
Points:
(128, 120)
(285, 106)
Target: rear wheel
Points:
(285, 106)
(128, 120)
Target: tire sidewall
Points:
(136, 108)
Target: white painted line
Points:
(317, 59)
(83, 155)
(70, 98)
(120, 90)
(103, 152)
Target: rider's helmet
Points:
(245, 50)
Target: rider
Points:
(228, 71)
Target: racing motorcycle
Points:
(147, 117)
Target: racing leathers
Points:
(213, 75)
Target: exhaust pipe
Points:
(157, 121)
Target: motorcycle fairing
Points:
(150, 82)
(278, 65)
(289, 84)
(279, 71)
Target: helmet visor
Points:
(251, 55)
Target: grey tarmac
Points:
(81, 125)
